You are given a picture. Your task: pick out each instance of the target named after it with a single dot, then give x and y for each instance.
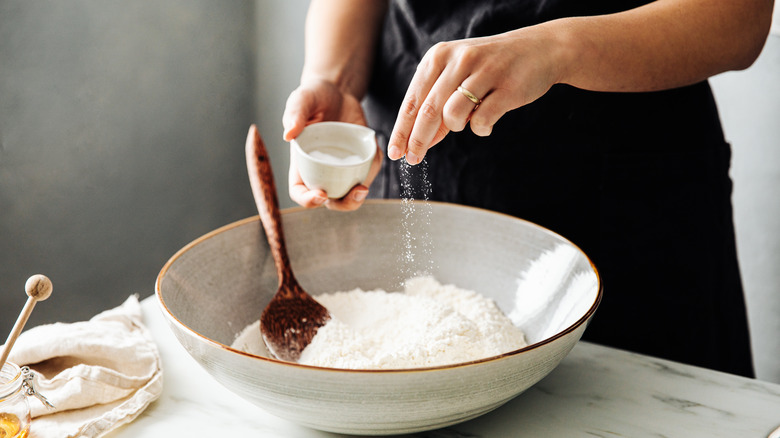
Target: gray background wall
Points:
(122, 127)
(749, 104)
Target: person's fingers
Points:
(440, 134)
(456, 113)
(399, 138)
(429, 124)
(301, 195)
(459, 106)
(351, 201)
(416, 105)
(492, 108)
(297, 112)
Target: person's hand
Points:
(502, 72)
(316, 101)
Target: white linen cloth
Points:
(99, 374)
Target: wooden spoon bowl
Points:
(292, 318)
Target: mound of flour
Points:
(429, 324)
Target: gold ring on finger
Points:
(470, 96)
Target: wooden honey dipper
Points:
(38, 288)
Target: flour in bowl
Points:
(429, 324)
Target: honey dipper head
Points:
(38, 287)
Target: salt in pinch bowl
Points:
(218, 284)
(334, 156)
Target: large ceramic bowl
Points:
(218, 284)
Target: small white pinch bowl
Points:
(335, 177)
(218, 284)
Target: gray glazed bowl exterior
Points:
(215, 286)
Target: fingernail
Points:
(317, 200)
(360, 195)
(411, 158)
(394, 152)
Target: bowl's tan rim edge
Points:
(168, 314)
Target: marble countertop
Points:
(596, 391)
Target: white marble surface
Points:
(595, 392)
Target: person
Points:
(591, 118)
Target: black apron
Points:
(639, 181)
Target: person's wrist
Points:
(339, 81)
(315, 78)
(566, 49)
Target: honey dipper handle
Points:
(17, 329)
(261, 179)
(38, 288)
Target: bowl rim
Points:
(171, 317)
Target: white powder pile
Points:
(427, 325)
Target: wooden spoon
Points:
(292, 318)
(38, 288)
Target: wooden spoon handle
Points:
(261, 179)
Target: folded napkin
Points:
(99, 374)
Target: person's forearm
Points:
(341, 37)
(664, 44)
